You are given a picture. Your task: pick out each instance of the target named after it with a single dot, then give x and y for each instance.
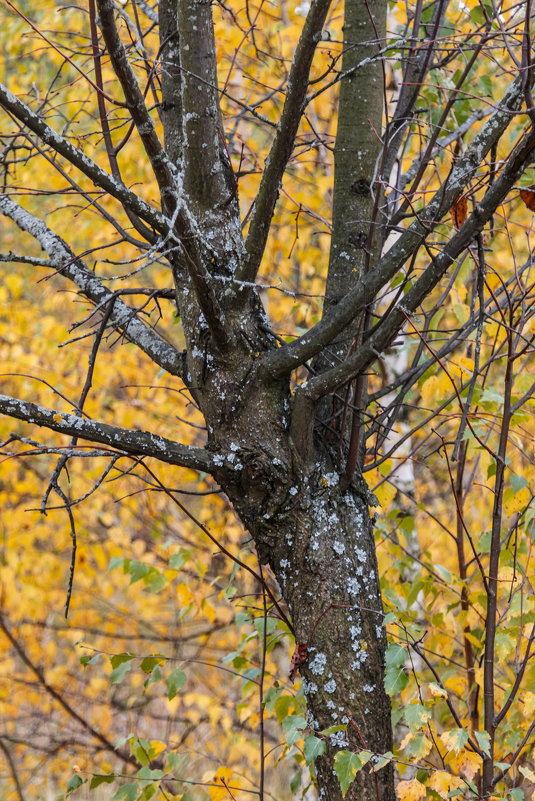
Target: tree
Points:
(293, 424)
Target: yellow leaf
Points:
(466, 763)
(437, 691)
(185, 596)
(440, 783)
(221, 775)
(467, 363)
(15, 284)
(411, 790)
(209, 611)
(430, 390)
(158, 747)
(385, 494)
(386, 467)
(515, 502)
(529, 703)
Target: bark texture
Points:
(289, 461)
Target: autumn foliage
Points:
(169, 678)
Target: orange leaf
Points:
(528, 196)
(459, 211)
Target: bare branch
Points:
(162, 167)
(138, 443)
(208, 177)
(386, 331)
(171, 80)
(366, 289)
(281, 148)
(86, 165)
(123, 317)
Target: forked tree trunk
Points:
(310, 523)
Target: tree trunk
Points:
(311, 524)
(318, 539)
(329, 580)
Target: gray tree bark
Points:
(288, 462)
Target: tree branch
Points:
(166, 173)
(292, 355)
(387, 330)
(137, 443)
(171, 79)
(208, 176)
(283, 142)
(105, 742)
(91, 169)
(122, 317)
(161, 165)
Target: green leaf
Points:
(417, 747)
(156, 675)
(443, 572)
(120, 672)
(455, 739)
(74, 783)
(177, 762)
(271, 623)
(395, 680)
(128, 792)
(516, 794)
(477, 16)
(123, 740)
(334, 729)
(101, 778)
(150, 662)
(485, 540)
(115, 562)
(416, 716)
(406, 523)
(518, 483)
(483, 740)
(490, 395)
(380, 761)
(293, 727)
(137, 571)
(118, 659)
(174, 682)
(158, 582)
(178, 560)
(485, 84)
(346, 766)
(142, 751)
(365, 756)
(313, 747)
(89, 660)
(282, 705)
(146, 775)
(296, 781)
(395, 655)
(293, 722)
